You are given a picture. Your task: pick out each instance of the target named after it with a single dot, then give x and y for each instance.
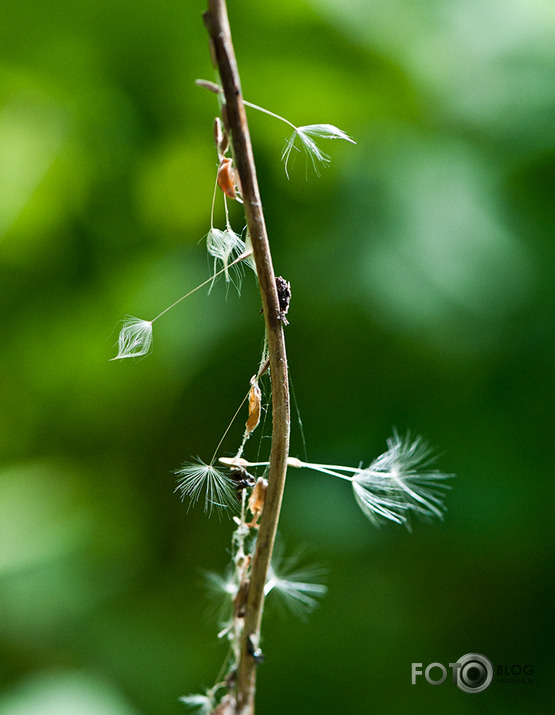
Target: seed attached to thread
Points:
(257, 499)
(227, 179)
(220, 138)
(255, 403)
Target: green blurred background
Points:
(421, 265)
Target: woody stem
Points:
(217, 24)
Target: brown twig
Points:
(217, 24)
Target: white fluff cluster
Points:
(309, 146)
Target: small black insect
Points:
(241, 480)
(284, 298)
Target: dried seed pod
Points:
(210, 86)
(257, 499)
(220, 138)
(255, 405)
(227, 180)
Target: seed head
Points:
(201, 704)
(400, 482)
(135, 338)
(225, 246)
(309, 146)
(196, 477)
(296, 585)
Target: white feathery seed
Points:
(135, 338)
(309, 146)
(197, 477)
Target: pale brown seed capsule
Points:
(257, 499)
(210, 86)
(255, 403)
(226, 178)
(220, 138)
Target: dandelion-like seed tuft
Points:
(135, 338)
(199, 703)
(297, 586)
(223, 591)
(400, 481)
(197, 477)
(218, 585)
(305, 134)
(309, 146)
(225, 246)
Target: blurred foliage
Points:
(423, 297)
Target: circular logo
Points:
(475, 673)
